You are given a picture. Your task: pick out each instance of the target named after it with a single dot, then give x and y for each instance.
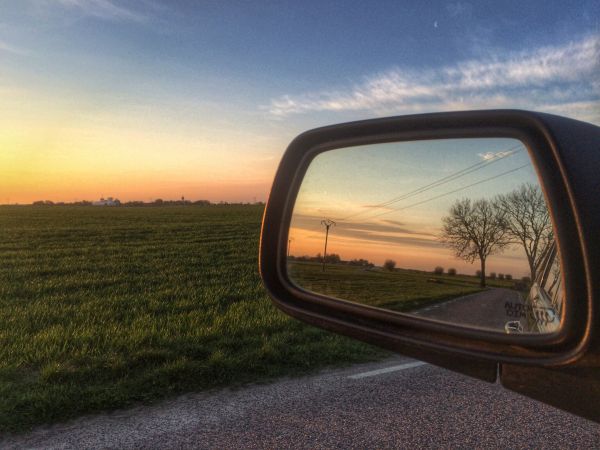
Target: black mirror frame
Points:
(420, 337)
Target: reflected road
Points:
(482, 309)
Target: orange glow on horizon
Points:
(147, 191)
(65, 158)
(310, 243)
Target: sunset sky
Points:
(146, 99)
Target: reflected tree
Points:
(528, 222)
(475, 230)
(389, 264)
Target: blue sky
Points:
(207, 94)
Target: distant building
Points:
(107, 202)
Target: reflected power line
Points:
(448, 178)
(485, 180)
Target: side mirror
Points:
(365, 219)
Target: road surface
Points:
(397, 403)
(484, 309)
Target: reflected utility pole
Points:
(327, 223)
(289, 246)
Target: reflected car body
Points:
(514, 326)
(545, 301)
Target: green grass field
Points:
(103, 308)
(398, 290)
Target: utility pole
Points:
(289, 246)
(327, 223)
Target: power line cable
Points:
(477, 166)
(485, 180)
(448, 178)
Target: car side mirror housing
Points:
(359, 214)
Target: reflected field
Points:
(398, 290)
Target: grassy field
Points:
(398, 290)
(103, 308)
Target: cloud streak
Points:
(104, 9)
(559, 78)
(4, 47)
(488, 156)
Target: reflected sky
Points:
(388, 200)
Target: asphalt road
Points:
(483, 309)
(411, 405)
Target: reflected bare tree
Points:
(475, 230)
(528, 222)
(389, 264)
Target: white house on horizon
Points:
(107, 202)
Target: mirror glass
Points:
(452, 230)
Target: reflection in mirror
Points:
(452, 230)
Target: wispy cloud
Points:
(394, 222)
(488, 156)
(545, 77)
(371, 232)
(105, 9)
(459, 9)
(5, 47)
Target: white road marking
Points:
(372, 373)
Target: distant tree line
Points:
(157, 202)
(333, 258)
